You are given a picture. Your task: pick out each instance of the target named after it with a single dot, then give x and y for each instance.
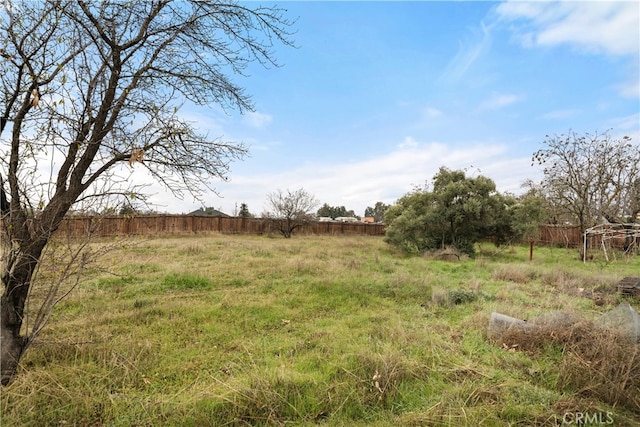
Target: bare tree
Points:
(632, 201)
(590, 178)
(92, 90)
(290, 210)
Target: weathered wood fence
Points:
(154, 225)
(570, 236)
(566, 235)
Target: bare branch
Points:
(111, 78)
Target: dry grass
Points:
(603, 367)
(252, 330)
(596, 363)
(516, 274)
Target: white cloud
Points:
(468, 53)
(561, 114)
(257, 120)
(432, 113)
(497, 101)
(385, 178)
(597, 27)
(626, 126)
(408, 142)
(630, 89)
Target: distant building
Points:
(369, 219)
(347, 219)
(325, 219)
(208, 212)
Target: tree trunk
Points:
(17, 281)
(12, 344)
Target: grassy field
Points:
(253, 330)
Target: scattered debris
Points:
(629, 286)
(599, 358)
(623, 321)
(499, 324)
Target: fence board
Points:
(154, 225)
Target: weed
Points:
(334, 330)
(179, 282)
(451, 297)
(515, 273)
(595, 363)
(460, 296)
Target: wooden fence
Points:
(157, 225)
(570, 236)
(154, 225)
(566, 235)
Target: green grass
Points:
(250, 330)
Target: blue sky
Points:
(378, 96)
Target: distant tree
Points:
(551, 214)
(517, 218)
(244, 211)
(633, 201)
(92, 89)
(325, 211)
(127, 210)
(377, 212)
(290, 210)
(527, 215)
(590, 178)
(458, 212)
(334, 211)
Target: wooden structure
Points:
(612, 236)
(157, 225)
(560, 235)
(153, 225)
(629, 286)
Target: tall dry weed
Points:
(514, 273)
(595, 363)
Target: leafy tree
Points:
(517, 218)
(590, 178)
(408, 225)
(244, 211)
(127, 210)
(93, 90)
(377, 212)
(325, 211)
(334, 211)
(458, 212)
(290, 210)
(528, 213)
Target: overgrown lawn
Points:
(254, 330)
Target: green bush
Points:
(458, 212)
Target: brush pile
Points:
(600, 359)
